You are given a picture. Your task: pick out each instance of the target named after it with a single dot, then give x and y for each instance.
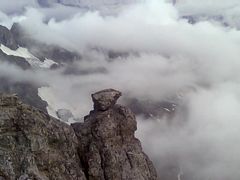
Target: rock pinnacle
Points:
(105, 99)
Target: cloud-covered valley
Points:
(166, 58)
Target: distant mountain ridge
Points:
(88, 4)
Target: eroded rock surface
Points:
(108, 147)
(34, 145)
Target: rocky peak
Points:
(7, 38)
(34, 145)
(108, 146)
(105, 99)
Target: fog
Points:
(166, 56)
(14, 7)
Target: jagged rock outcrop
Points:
(108, 147)
(34, 145)
(7, 39)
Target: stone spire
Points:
(109, 149)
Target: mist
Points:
(167, 56)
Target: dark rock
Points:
(56, 66)
(56, 53)
(34, 145)
(19, 35)
(105, 99)
(107, 145)
(7, 38)
(115, 54)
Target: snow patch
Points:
(47, 63)
(30, 58)
(20, 52)
(166, 109)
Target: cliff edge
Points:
(34, 145)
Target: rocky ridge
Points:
(34, 145)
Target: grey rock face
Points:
(108, 147)
(105, 99)
(7, 39)
(34, 145)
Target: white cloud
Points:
(12, 6)
(167, 55)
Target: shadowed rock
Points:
(7, 39)
(105, 99)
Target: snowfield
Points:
(30, 58)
